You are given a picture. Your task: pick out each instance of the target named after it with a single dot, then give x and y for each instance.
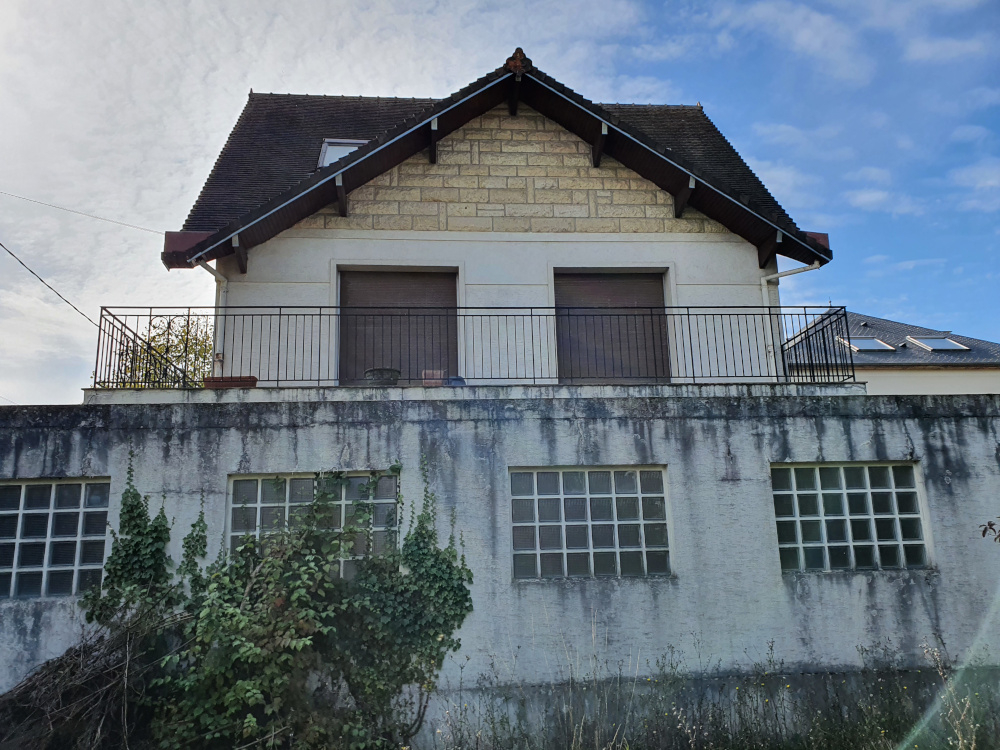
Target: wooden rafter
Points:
(683, 196)
(434, 141)
(768, 249)
(597, 149)
(515, 95)
(341, 195)
(241, 254)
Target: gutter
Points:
(221, 299)
(765, 280)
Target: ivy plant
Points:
(268, 646)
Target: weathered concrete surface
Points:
(727, 597)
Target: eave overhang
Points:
(516, 81)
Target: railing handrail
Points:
(336, 345)
(221, 310)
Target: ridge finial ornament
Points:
(518, 63)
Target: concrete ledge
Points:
(314, 394)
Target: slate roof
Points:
(980, 354)
(266, 178)
(276, 142)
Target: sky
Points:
(877, 121)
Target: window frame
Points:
(79, 568)
(848, 517)
(591, 549)
(921, 341)
(347, 562)
(853, 344)
(329, 143)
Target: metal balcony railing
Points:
(298, 346)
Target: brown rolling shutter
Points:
(407, 321)
(611, 327)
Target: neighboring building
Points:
(899, 359)
(571, 309)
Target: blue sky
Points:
(877, 121)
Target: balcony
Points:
(140, 348)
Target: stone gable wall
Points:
(511, 174)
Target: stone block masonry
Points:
(512, 174)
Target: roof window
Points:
(937, 344)
(336, 148)
(866, 344)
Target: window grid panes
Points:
(262, 504)
(53, 536)
(589, 522)
(848, 517)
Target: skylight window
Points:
(867, 344)
(937, 344)
(337, 148)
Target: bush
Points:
(266, 647)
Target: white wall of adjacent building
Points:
(902, 381)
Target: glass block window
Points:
(589, 523)
(53, 536)
(848, 517)
(258, 505)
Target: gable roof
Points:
(980, 354)
(266, 178)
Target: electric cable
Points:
(48, 285)
(81, 213)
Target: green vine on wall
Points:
(267, 646)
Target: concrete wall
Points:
(727, 596)
(885, 381)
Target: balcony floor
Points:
(460, 393)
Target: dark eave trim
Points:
(333, 183)
(814, 249)
(203, 251)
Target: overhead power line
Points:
(9, 401)
(48, 285)
(81, 213)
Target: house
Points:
(896, 358)
(572, 311)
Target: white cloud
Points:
(901, 15)
(970, 134)
(909, 265)
(944, 49)
(876, 259)
(120, 109)
(872, 199)
(983, 175)
(830, 43)
(665, 49)
(792, 187)
(874, 175)
(982, 183)
(807, 142)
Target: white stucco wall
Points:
(300, 266)
(902, 381)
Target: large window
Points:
(593, 522)
(52, 536)
(848, 517)
(262, 504)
